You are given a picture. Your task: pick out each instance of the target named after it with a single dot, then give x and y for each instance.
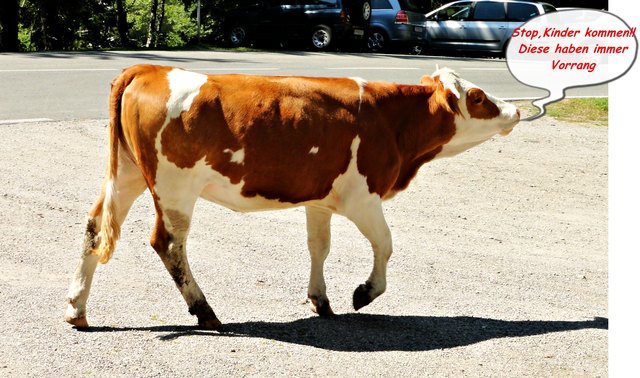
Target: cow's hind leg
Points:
(318, 241)
(369, 219)
(128, 186)
(169, 240)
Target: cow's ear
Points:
(427, 80)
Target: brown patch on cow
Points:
(179, 221)
(479, 106)
(177, 272)
(405, 127)
(276, 120)
(169, 248)
(160, 237)
(90, 236)
(144, 111)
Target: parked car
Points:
(398, 23)
(320, 23)
(484, 26)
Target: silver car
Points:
(483, 26)
(397, 23)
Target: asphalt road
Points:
(75, 85)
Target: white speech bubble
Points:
(570, 48)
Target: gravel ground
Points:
(499, 269)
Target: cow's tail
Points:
(109, 226)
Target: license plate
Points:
(418, 29)
(359, 32)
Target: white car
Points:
(483, 26)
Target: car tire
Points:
(416, 49)
(376, 41)
(237, 36)
(321, 37)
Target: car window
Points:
(381, 4)
(521, 11)
(548, 8)
(458, 11)
(488, 11)
(420, 6)
(317, 2)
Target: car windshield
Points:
(420, 6)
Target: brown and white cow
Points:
(333, 145)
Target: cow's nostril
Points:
(518, 112)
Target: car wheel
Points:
(416, 50)
(237, 36)
(377, 41)
(321, 37)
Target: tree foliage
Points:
(35, 25)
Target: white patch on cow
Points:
(184, 87)
(236, 156)
(362, 83)
(314, 150)
(350, 189)
(449, 79)
(176, 187)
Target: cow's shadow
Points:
(364, 332)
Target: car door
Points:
(444, 29)
(486, 29)
(283, 19)
(518, 14)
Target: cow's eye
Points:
(479, 98)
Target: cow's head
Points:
(479, 115)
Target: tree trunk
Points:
(123, 26)
(52, 29)
(9, 25)
(159, 38)
(153, 32)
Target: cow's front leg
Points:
(370, 221)
(318, 241)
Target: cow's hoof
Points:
(361, 296)
(75, 316)
(321, 307)
(79, 322)
(212, 324)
